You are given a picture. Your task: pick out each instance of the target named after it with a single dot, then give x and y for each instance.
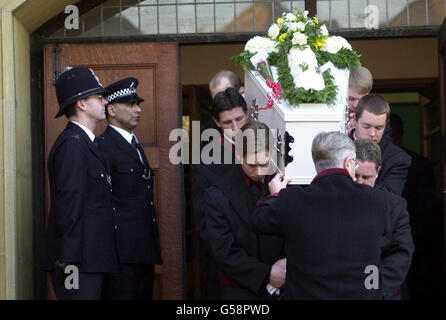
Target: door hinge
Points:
(57, 57)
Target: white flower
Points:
(301, 26)
(257, 43)
(290, 17)
(310, 79)
(297, 57)
(306, 14)
(336, 43)
(273, 31)
(324, 30)
(292, 26)
(295, 26)
(299, 38)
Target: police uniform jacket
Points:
(81, 224)
(334, 229)
(133, 202)
(244, 257)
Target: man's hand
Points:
(278, 183)
(278, 273)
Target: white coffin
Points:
(302, 122)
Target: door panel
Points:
(156, 65)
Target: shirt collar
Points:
(329, 172)
(226, 142)
(87, 131)
(125, 134)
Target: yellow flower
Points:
(319, 43)
(281, 21)
(282, 37)
(315, 20)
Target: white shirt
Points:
(228, 139)
(128, 137)
(87, 131)
(124, 133)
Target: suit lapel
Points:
(90, 144)
(122, 143)
(238, 194)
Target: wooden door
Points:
(156, 66)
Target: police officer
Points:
(134, 208)
(81, 231)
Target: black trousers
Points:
(134, 282)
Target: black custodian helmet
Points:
(74, 84)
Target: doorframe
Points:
(41, 289)
(442, 87)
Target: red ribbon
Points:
(275, 95)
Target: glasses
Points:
(355, 163)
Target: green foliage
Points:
(273, 59)
(345, 58)
(243, 59)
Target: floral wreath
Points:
(300, 48)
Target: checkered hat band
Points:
(120, 94)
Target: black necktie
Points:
(95, 142)
(134, 144)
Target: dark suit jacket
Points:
(333, 230)
(205, 175)
(240, 253)
(134, 208)
(395, 165)
(81, 226)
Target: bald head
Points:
(224, 79)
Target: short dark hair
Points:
(373, 103)
(233, 78)
(227, 100)
(70, 110)
(253, 137)
(368, 150)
